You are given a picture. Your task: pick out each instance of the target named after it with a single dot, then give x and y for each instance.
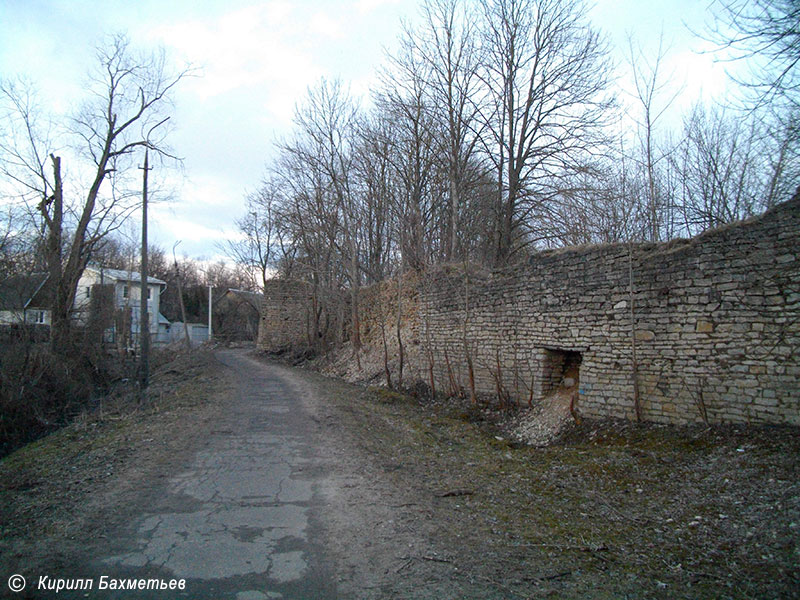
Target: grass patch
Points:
(55, 486)
(387, 396)
(625, 510)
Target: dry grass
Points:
(612, 510)
(57, 488)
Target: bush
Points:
(40, 391)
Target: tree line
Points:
(498, 128)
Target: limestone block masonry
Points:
(284, 315)
(715, 322)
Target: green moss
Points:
(387, 396)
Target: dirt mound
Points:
(370, 367)
(542, 424)
(546, 421)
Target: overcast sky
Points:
(256, 59)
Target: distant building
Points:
(126, 295)
(197, 332)
(236, 314)
(27, 299)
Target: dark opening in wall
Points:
(560, 368)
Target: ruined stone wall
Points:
(715, 321)
(296, 316)
(284, 315)
(381, 304)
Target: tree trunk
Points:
(59, 310)
(400, 349)
(354, 301)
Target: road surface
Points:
(241, 519)
(303, 487)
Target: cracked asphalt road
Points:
(277, 483)
(241, 520)
(261, 481)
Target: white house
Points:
(126, 296)
(27, 298)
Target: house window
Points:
(148, 293)
(88, 291)
(124, 291)
(40, 317)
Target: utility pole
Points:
(144, 318)
(210, 300)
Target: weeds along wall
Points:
(714, 323)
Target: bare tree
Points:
(654, 93)
(314, 225)
(323, 210)
(765, 34)
(262, 233)
(377, 188)
(405, 104)
(447, 47)
(780, 142)
(761, 40)
(731, 168)
(129, 96)
(546, 72)
(329, 121)
(593, 206)
(18, 245)
(25, 144)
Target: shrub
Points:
(40, 391)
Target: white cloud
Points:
(253, 49)
(203, 218)
(367, 6)
(194, 232)
(323, 24)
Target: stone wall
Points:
(284, 315)
(715, 322)
(295, 315)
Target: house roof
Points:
(120, 275)
(19, 291)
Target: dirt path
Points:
(360, 533)
(263, 497)
(240, 518)
(262, 481)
